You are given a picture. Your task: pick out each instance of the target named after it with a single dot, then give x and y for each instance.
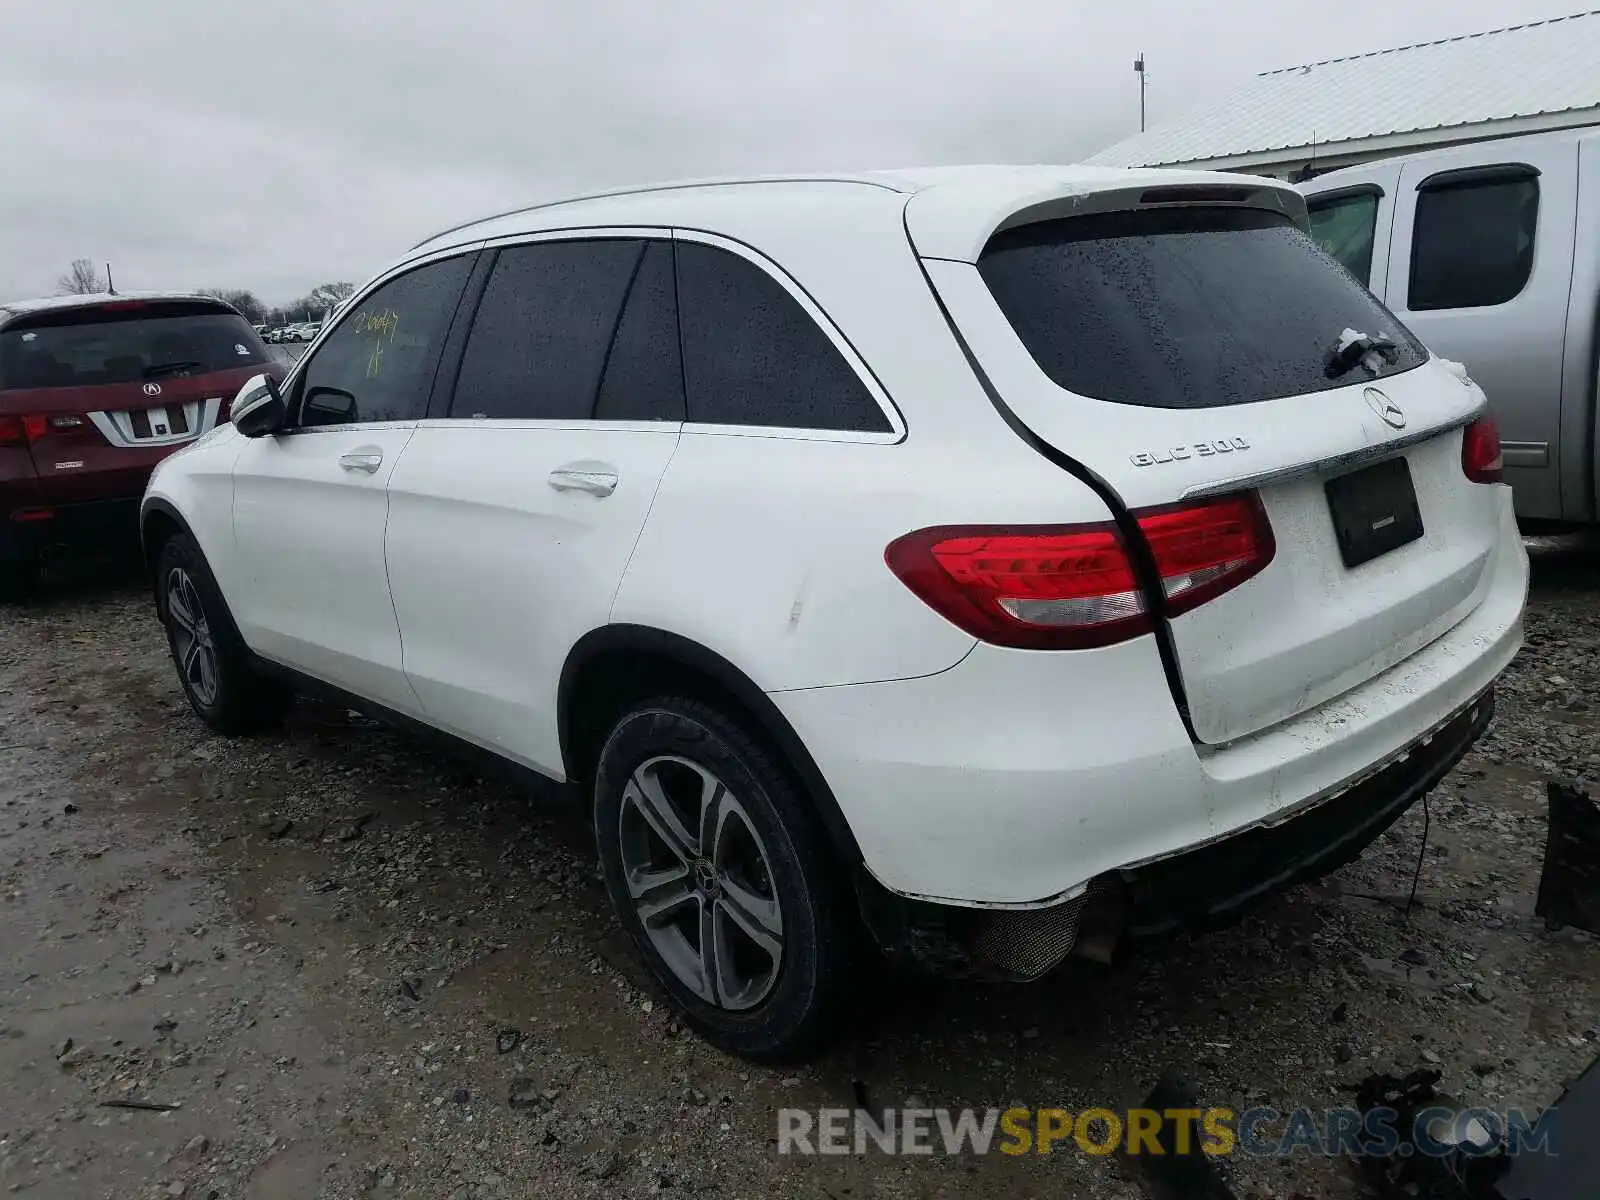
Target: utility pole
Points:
(1138, 66)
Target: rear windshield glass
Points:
(90, 346)
(1184, 307)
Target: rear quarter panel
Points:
(769, 549)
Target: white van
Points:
(1486, 253)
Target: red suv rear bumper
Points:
(30, 532)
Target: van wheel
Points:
(721, 875)
(214, 667)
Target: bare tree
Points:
(81, 279)
(246, 302)
(330, 295)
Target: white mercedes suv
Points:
(983, 563)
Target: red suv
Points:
(94, 391)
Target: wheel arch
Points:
(595, 677)
(158, 520)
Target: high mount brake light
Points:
(1063, 587)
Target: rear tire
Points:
(19, 578)
(721, 874)
(214, 667)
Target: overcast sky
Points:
(276, 144)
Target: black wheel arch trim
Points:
(692, 655)
(155, 504)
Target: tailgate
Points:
(1181, 356)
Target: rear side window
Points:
(128, 341)
(1191, 307)
(753, 356)
(1344, 229)
(544, 326)
(1472, 244)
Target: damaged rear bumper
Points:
(1206, 886)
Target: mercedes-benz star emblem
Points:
(152, 389)
(1386, 408)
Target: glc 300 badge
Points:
(1154, 458)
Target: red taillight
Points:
(12, 432)
(1203, 550)
(40, 425)
(1072, 587)
(1481, 456)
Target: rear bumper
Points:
(1208, 886)
(29, 532)
(1016, 778)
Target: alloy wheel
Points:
(192, 643)
(700, 880)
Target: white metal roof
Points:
(17, 308)
(1541, 75)
(956, 209)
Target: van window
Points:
(753, 356)
(1344, 228)
(1472, 244)
(1192, 307)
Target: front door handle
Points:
(367, 459)
(573, 479)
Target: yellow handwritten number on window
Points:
(382, 326)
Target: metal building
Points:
(1302, 121)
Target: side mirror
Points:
(328, 406)
(259, 408)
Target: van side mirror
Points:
(259, 408)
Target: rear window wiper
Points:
(158, 370)
(1354, 348)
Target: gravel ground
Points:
(356, 969)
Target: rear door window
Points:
(1193, 307)
(543, 330)
(643, 378)
(130, 341)
(1344, 228)
(1472, 242)
(753, 356)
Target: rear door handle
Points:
(597, 482)
(367, 459)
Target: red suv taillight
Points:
(12, 432)
(1481, 457)
(1061, 587)
(40, 425)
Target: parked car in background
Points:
(94, 391)
(1490, 253)
(968, 558)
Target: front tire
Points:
(722, 876)
(214, 666)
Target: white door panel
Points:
(309, 512)
(507, 541)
